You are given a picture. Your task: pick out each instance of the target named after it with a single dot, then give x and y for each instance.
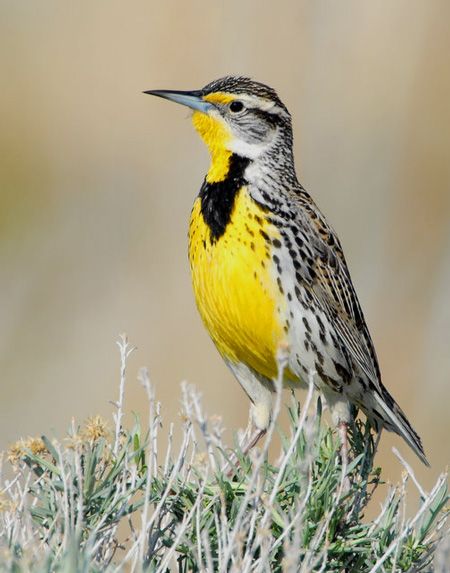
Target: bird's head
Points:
(235, 115)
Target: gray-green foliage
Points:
(206, 507)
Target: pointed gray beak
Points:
(193, 99)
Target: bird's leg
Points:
(259, 390)
(254, 439)
(248, 431)
(343, 430)
(251, 437)
(341, 416)
(260, 413)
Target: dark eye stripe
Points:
(271, 118)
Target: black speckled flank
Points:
(217, 199)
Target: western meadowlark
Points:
(268, 271)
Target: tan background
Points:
(97, 181)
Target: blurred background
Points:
(97, 181)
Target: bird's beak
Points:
(193, 99)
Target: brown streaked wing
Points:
(334, 292)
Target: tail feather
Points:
(393, 419)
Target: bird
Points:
(268, 270)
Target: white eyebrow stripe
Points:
(258, 102)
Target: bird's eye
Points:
(236, 106)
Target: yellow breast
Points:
(234, 285)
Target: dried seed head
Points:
(95, 428)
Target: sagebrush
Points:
(113, 500)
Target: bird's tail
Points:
(393, 419)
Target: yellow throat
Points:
(216, 136)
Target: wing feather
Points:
(333, 289)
